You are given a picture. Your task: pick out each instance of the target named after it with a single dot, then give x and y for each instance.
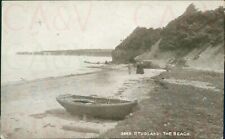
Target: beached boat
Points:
(96, 107)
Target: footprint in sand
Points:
(119, 93)
(14, 119)
(39, 116)
(17, 129)
(123, 88)
(48, 125)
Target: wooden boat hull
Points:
(115, 109)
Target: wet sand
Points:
(30, 110)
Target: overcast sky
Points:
(35, 26)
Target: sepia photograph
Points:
(112, 69)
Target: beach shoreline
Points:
(35, 102)
(52, 77)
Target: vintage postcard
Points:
(112, 69)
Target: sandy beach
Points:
(30, 110)
(187, 102)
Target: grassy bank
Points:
(194, 112)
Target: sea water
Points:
(16, 68)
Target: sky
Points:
(61, 25)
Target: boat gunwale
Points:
(125, 103)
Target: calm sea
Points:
(30, 67)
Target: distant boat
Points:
(96, 107)
(92, 62)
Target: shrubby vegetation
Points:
(140, 40)
(193, 29)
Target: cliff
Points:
(138, 42)
(194, 39)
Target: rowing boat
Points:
(96, 106)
